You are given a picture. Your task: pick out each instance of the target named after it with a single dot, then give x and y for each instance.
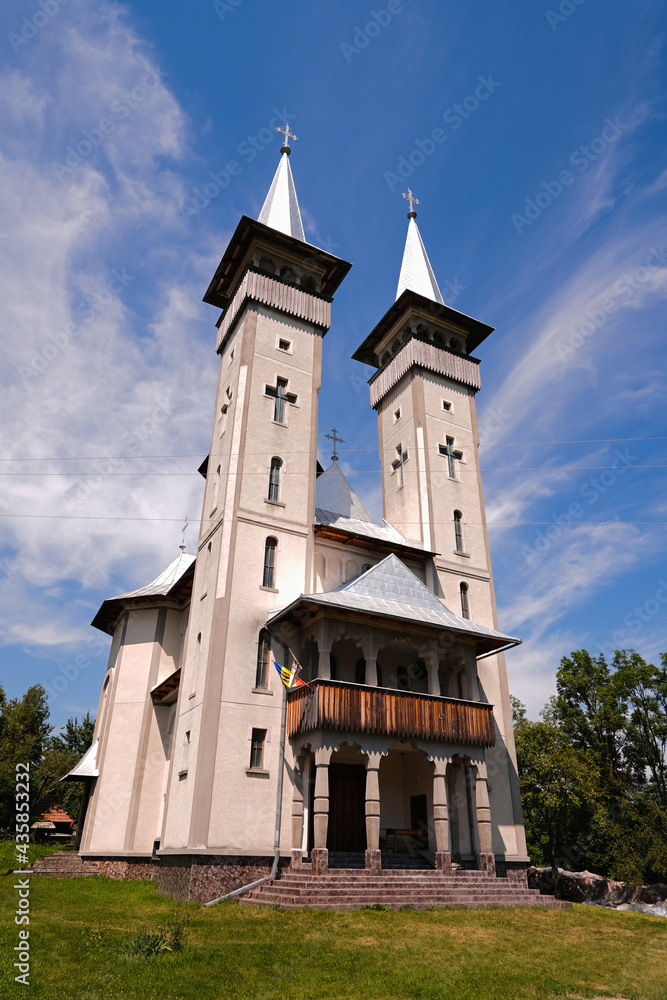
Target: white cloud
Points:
(109, 352)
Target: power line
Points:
(491, 524)
(354, 472)
(494, 444)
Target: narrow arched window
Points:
(458, 530)
(465, 604)
(274, 478)
(263, 660)
(268, 580)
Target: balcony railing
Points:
(360, 709)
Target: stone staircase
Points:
(351, 888)
(65, 864)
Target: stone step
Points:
(385, 891)
(398, 885)
(325, 903)
(361, 880)
(65, 865)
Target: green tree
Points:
(560, 788)
(24, 733)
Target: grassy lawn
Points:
(234, 951)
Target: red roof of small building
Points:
(55, 814)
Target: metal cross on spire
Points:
(413, 201)
(336, 440)
(284, 131)
(184, 529)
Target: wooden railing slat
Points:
(333, 705)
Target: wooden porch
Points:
(357, 708)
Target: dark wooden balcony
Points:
(359, 709)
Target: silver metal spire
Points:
(281, 208)
(416, 271)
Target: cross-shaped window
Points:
(453, 456)
(399, 462)
(281, 396)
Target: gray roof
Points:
(337, 505)
(281, 208)
(416, 271)
(333, 493)
(391, 590)
(162, 583)
(87, 766)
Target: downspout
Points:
(279, 807)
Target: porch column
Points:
(297, 812)
(319, 853)
(487, 861)
(373, 858)
(324, 663)
(433, 678)
(370, 650)
(443, 857)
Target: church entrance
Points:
(347, 817)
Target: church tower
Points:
(255, 549)
(424, 393)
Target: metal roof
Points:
(338, 506)
(391, 590)
(334, 493)
(171, 582)
(281, 209)
(87, 766)
(164, 581)
(416, 271)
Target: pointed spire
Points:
(281, 208)
(416, 271)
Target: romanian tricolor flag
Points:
(288, 677)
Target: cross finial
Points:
(184, 529)
(336, 440)
(413, 201)
(284, 131)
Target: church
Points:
(383, 749)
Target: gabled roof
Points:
(391, 590)
(281, 209)
(416, 271)
(87, 766)
(170, 583)
(338, 508)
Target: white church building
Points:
(206, 772)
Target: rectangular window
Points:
(257, 748)
(446, 405)
(284, 345)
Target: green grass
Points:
(233, 951)
(9, 860)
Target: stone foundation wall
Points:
(514, 871)
(120, 868)
(201, 878)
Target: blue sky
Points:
(533, 137)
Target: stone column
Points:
(297, 812)
(487, 861)
(319, 853)
(443, 857)
(324, 664)
(373, 856)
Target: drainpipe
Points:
(279, 806)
